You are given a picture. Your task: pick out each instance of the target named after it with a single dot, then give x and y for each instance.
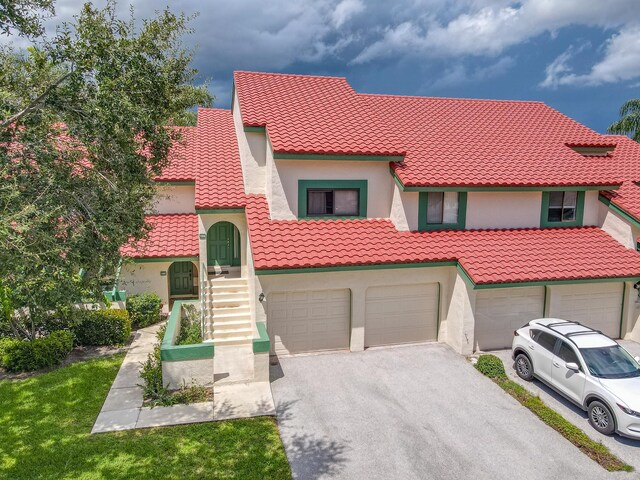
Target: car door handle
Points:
(532, 347)
(555, 364)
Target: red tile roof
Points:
(307, 114)
(447, 142)
(170, 236)
(219, 182)
(453, 142)
(626, 156)
(488, 256)
(182, 158)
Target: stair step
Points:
(240, 340)
(226, 286)
(236, 332)
(228, 317)
(231, 324)
(228, 310)
(240, 296)
(227, 282)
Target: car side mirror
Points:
(572, 366)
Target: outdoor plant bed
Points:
(493, 368)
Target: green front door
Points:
(181, 278)
(223, 245)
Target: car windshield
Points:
(610, 362)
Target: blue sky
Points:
(582, 57)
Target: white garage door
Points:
(401, 314)
(596, 305)
(500, 311)
(309, 321)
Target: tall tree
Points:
(84, 129)
(629, 123)
(24, 16)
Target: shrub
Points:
(491, 366)
(144, 309)
(27, 355)
(102, 327)
(190, 328)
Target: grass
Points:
(488, 365)
(45, 423)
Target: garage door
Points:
(597, 306)
(309, 321)
(401, 314)
(500, 311)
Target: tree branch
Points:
(35, 104)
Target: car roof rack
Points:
(568, 335)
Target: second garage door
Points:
(500, 311)
(309, 321)
(401, 314)
(596, 305)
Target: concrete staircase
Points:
(227, 312)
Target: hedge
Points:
(102, 327)
(26, 355)
(144, 309)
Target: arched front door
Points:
(223, 245)
(181, 276)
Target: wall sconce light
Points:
(261, 297)
(203, 236)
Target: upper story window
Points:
(442, 210)
(562, 208)
(332, 198)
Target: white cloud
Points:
(621, 62)
(345, 10)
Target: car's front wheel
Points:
(524, 369)
(601, 418)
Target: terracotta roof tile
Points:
(170, 236)
(307, 114)
(488, 256)
(182, 158)
(219, 182)
(626, 156)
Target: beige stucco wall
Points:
(205, 221)
(144, 277)
(460, 318)
(503, 209)
(618, 227)
(253, 148)
(358, 281)
(591, 208)
(283, 179)
(174, 199)
(404, 209)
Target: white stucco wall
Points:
(175, 199)
(205, 221)
(144, 277)
(460, 317)
(404, 209)
(283, 179)
(591, 208)
(503, 209)
(618, 227)
(358, 281)
(252, 147)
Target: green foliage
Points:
(46, 422)
(151, 374)
(144, 309)
(629, 123)
(190, 327)
(24, 16)
(83, 132)
(102, 327)
(28, 355)
(491, 366)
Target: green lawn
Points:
(44, 433)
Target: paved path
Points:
(412, 412)
(123, 410)
(625, 448)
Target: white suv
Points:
(586, 367)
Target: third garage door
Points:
(308, 321)
(401, 314)
(500, 311)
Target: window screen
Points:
(442, 207)
(343, 202)
(562, 206)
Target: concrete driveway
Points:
(412, 412)
(625, 448)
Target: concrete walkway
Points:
(123, 410)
